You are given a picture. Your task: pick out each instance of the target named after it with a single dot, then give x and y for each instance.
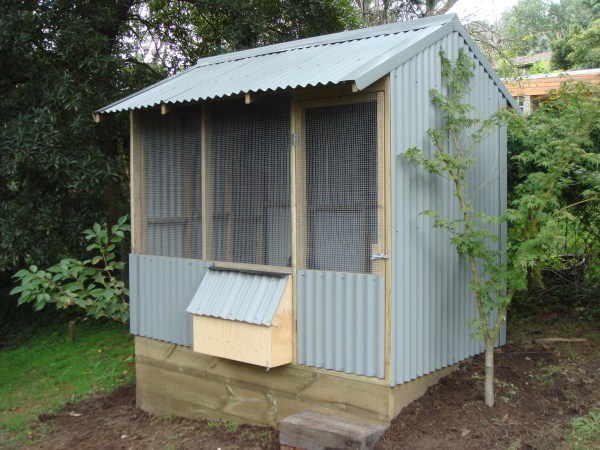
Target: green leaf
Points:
(17, 290)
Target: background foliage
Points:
(536, 26)
(61, 60)
(554, 189)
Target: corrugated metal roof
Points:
(244, 297)
(360, 56)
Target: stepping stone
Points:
(314, 431)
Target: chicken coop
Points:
(279, 259)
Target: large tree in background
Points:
(580, 49)
(535, 26)
(377, 12)
(175, 34)
(61, 60)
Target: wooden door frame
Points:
(327, 96)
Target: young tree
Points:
(455, 147)
(557, 176)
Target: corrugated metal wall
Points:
(160, 290)
(431, 302)
(340, 319)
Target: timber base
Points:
(172, 379)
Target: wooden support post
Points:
(138, 184)
(228, 180)
(378, 266)
(387, 209)
(188, 202)
(299, 212)
(207, 195)
(98, 117)
(294, 219)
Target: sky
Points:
(489, 10)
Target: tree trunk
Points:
(489, 372)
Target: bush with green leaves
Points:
(555, 185)
(94, 285)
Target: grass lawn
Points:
(49, 370)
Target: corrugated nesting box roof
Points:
(233, 295)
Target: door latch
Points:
(379, 257)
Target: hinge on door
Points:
(295, 139)
(379, 257)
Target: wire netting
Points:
(249, 153)
(344, 207)
(248, 194)
(170, 147)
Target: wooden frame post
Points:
(137, 180)
(387, 196)
(207, 198)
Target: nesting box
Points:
(244, 316)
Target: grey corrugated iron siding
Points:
(340, 319)
(238, 296)
(431, 303)
(159, 292)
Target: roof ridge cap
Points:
(328, 39)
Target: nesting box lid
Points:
(241, 296)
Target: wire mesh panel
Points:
(250, 170)
(172, 213)
(343, 220)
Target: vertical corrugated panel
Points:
(431, 303)
(340, 318)
(161, 289)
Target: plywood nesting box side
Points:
(253, 343)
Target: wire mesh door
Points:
(341, 217)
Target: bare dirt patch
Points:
(540, 390)
(114, 422)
